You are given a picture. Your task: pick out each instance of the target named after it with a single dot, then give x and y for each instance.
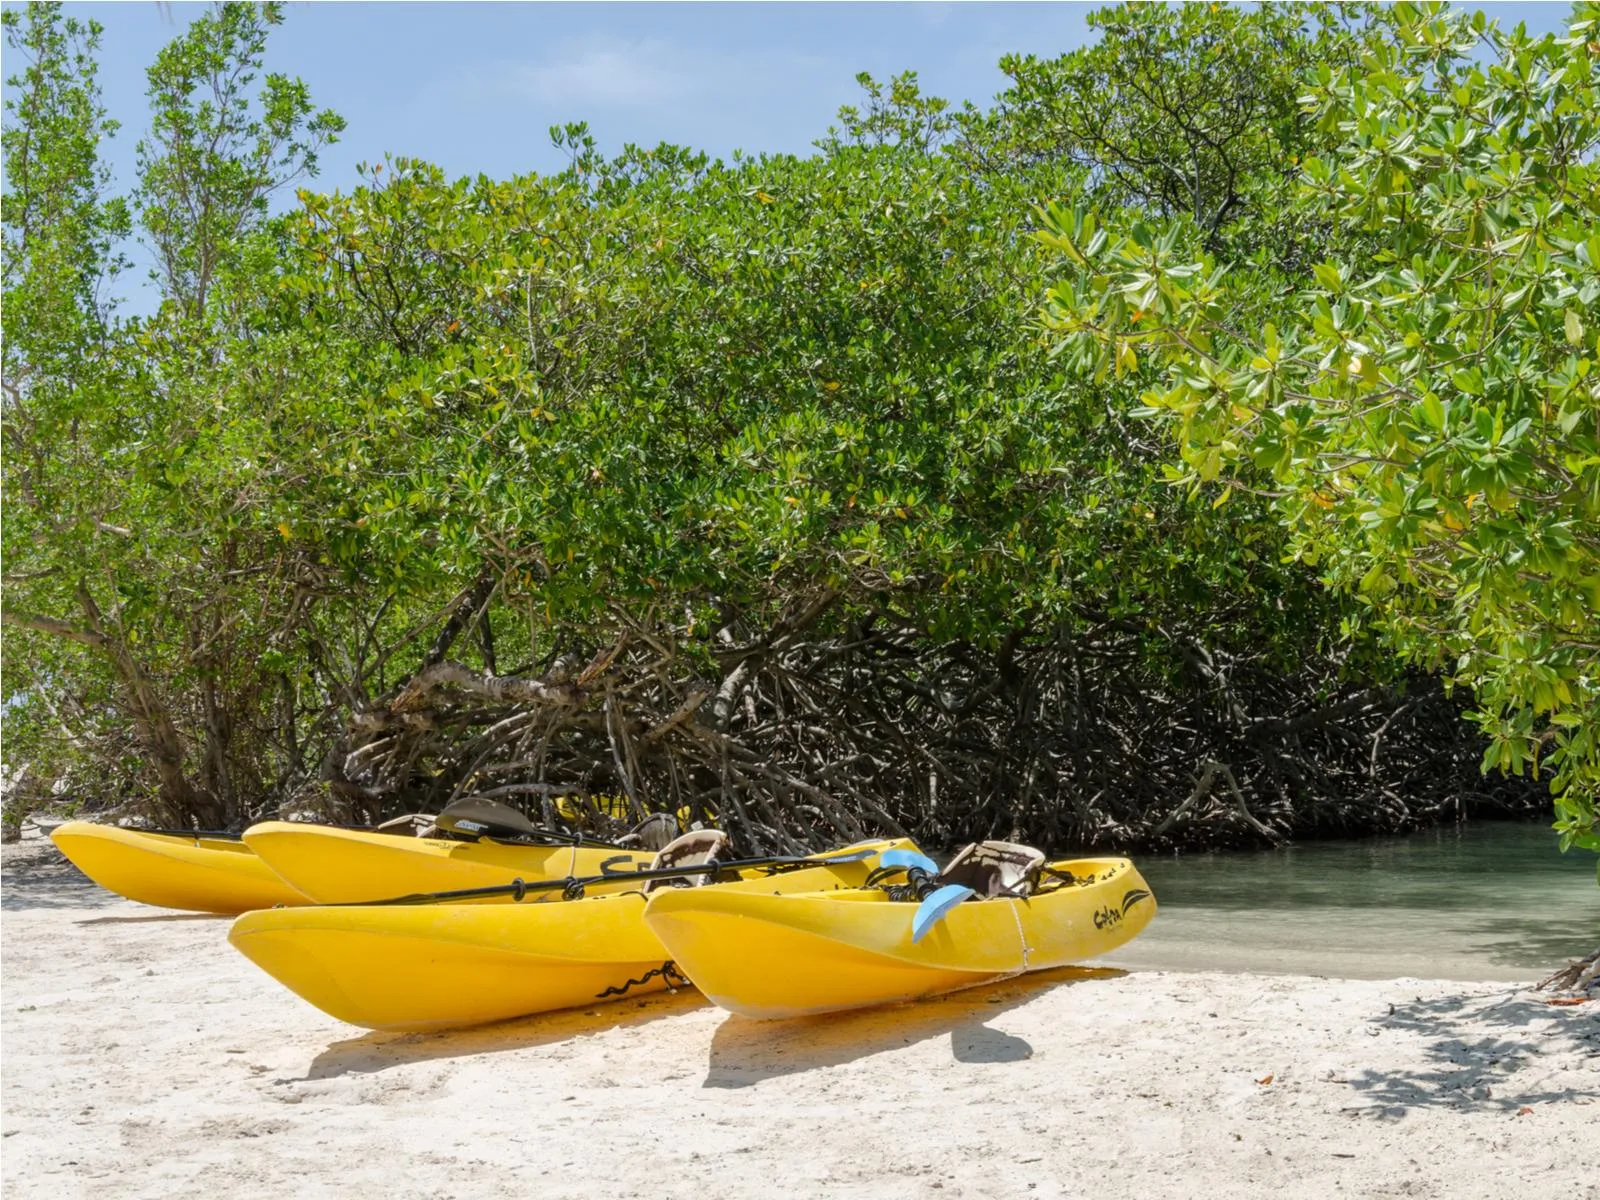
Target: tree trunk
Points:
(153, 726)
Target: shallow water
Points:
(1486, 900)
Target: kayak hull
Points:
(190, 872)
(349, 866)
(772, 957)
(439, 966)
(419, 967)
(770, 971)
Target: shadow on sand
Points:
(162, 918)
(1475, 1044)
(374, 1052)
(37, 875)
(744, 1052)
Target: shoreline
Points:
(144, 1057)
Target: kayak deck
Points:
(347, 866)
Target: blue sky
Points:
(475, 86)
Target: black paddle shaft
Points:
(573, 887)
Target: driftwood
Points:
(1578, 978)
(824, 723)
(1212, 771)
(814, 731)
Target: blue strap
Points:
(931, 910)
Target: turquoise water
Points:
(1486, 900)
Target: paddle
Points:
(573, 887)
(935, 905)
(908, 860)
(923, 874)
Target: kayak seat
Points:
(693, 849)
(655, 832)
(993, 869)
(476, 817)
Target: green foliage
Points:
(1185, 109)
(653, 397)
(897, 115)
(215, 154)
(137, 590)
(658, 382)
(59, 227)
(1424, 405)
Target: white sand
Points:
(144, 1057)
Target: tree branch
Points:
(40, 624)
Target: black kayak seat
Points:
(993, 869)
(693, 849)
(473, 816)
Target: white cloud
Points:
(658, 75)
(616, 74)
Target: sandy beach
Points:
(143, 1057)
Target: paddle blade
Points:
(829, 860)
(933, 909)
(908, 859)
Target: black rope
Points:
(667, 971)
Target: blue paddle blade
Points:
(829, 860)
(931, 910)
(908, 859)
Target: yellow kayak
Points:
(770, 956)
(348, 866)
(439, 965)
(174, 870)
